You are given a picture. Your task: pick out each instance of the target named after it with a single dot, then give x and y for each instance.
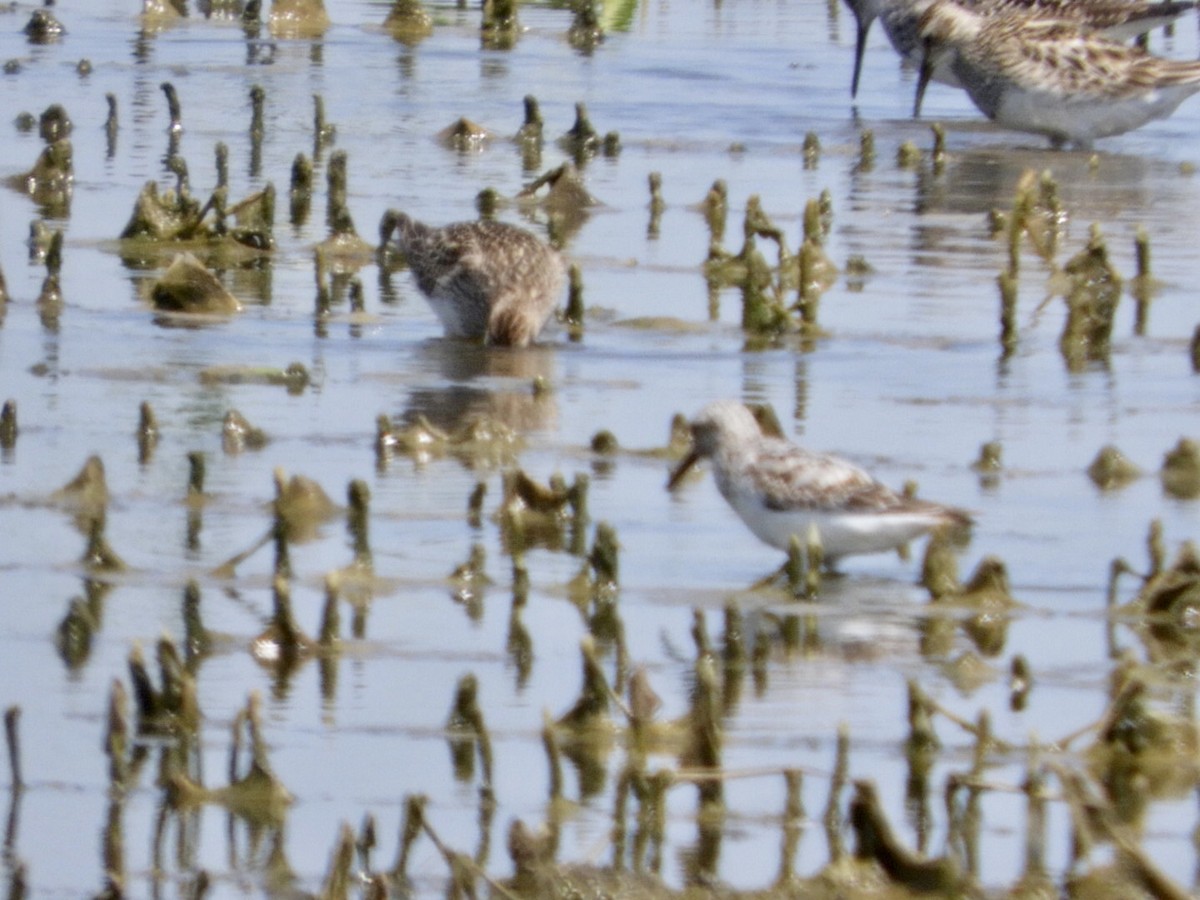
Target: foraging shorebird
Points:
(485, 280)
(780, 489)
(1118, 20)
(1049, 76)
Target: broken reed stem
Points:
(553, 756)
(814, 555)
(459, 862)
(116, 740)
(1142, 246)
(866, 151)
(410, 828)
(973, 728)
(794, 567)
(1007, 281)
(1101, 725)
(331, 619)
(1156, 551)
(1035, 819)
(235, 744)
(794, 804)
(832, 817)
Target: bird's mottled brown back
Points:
(489, 279)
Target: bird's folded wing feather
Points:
(790, 477)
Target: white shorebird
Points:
(1051, 77)
(1118, 20)
(485, 280)
(780, 489)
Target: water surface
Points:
(910, 382)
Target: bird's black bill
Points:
(860, 47)
(682, 469)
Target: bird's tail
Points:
(508, 327)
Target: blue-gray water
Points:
(909, 382)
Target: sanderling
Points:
(1118, 20)
(484, 279)
(1051, 77)
(780, 489)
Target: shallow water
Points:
(910, 382)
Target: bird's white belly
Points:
(1082, 120)
(455, 324)
(842, 533)
(461, 317)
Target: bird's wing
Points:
(451, 265)
(790, 477)
(1060, 57)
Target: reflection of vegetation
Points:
(480, 442)
(1167, 606)
(1143, 746)
(256, 795)
(1129, 737)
